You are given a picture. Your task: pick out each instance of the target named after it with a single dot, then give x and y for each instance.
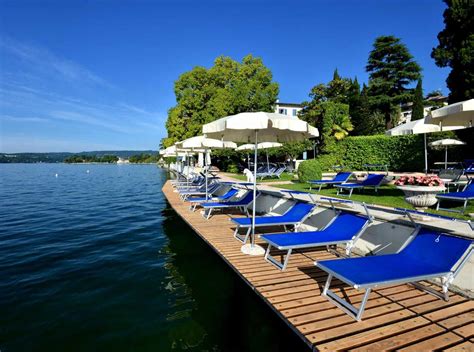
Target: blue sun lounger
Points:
(429, 255)
(195, 201)
(345, 228)
(211, 188)
(294, 216)
(341, 177)
(464, 196)
(372, 180)
(241, 203)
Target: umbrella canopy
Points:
(419, 127)
(252, 127)
(458, 114)
(202, 142)
(271, 127)
(446, 143)
(264, 145)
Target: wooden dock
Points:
(397, 317)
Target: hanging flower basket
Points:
(420, 191)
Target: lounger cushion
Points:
(342, 229)
(460, 195)
(232, 192)
(339, 178)
(429, 254)
(246, 200)
(295, 214)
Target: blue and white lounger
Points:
(464, 196)
(211, 188)
(294, 216)
(241, 203)
(430, 255)
(195, 201)
(345, 228)
(372, 180)
(341, 177)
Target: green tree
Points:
(354, 100)
(228, 87)
(417, 111)
(337, 90)
(456, 49)
(370, 121)
(391, 68)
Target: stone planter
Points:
(421, 196)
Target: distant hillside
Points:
(59, 157)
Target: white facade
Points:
(290, 109)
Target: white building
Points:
(406, 109)
(290, 109)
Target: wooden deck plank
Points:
(396, 317)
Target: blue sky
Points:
(98, 75)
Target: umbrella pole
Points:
(426, 155)
(446, 157)
(268, 164)
(205, 166)
(254, 188)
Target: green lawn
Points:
(284, 177)
(387, 195)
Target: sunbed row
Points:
(427, 254)
(341, 182)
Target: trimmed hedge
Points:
(403, 153)
(309, 170)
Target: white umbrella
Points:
(446, 143)
(264, 145)
(202, 143)
(458, 114)
(419, 127)
(250, 127)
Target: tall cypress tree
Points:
(417, 111)
(354, 104)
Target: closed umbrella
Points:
(202, 143)
(264, 145)
(250, 127)
(446, 143)
(419, 127)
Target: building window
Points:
(294, 112)
(282, 111)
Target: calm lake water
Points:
(95, 259)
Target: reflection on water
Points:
(215, 309)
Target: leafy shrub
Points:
(309, 170)
(232, 168)
(399, 153)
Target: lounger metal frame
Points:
(244, 238)
(356, 313)
(361, 186)
(349, 243)
(327, 182)
(465, 200)
(194, 204)
(446, 279)
(243, 208)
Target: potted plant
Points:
(420, 191)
